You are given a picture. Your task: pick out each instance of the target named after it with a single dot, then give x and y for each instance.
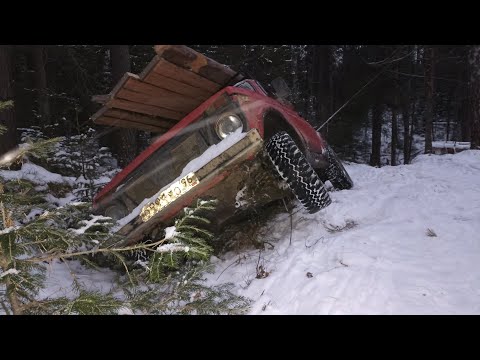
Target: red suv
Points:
(240, 146)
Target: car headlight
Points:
(228, 124)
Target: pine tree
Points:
(167, 281)
(3, 106)
(23, 236)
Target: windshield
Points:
(261, 88)
(245, 84)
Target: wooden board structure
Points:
(173, 84)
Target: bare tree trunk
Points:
(375, 159)
(39, 61)
(7, 117)
(406, 101)
(448, 129)
(466, 125)
(474, 94)
(295, 71)
(412, 129)
(429, 96)
(321, 81)
(393, 158)
(413, 114)
(406, 134)
(124, 141)
(394, 141)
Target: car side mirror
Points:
(281, 88)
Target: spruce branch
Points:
(5, 105)
(47, 257)
(38, 149)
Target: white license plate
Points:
(166, 197)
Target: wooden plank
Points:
(145, 109)
(105, 120)
(147, 99)
(192, 60)
(98, 114)
(165, 68)
(103, 99)
(163, 98)
(162, 81)
(172, 85)
(140, 118)
(135, 120)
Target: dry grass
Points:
(248, 232)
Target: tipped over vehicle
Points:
(220, 136)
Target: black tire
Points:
(294, 169)
(336, 173)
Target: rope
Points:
(318, 128)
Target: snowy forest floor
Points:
(404, 240)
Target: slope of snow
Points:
(383, 261)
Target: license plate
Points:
(166, 197)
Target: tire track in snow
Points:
(393, 266)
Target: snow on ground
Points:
(62, 274)
(383, 261)
(461, 145)
(36, 174)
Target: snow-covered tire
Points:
(336, 173)
(294, 169)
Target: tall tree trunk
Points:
(394, 140)
(295, 73)
(414, 119)
(429, 96)
(7, 117)
(447, 135)
(406, 101)
(393, 158)
(474, 94)
(375, 159)
(124, 141)
(406, 134)
(412, 129)
(466, 124)
(321, 81)
(39, 62)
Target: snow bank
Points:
(451, 145)
(37, 175)
(369, 252)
